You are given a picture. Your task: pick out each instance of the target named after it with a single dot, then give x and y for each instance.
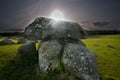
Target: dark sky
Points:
(16, 14)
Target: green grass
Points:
(108, 58)
(106, 47)
(7, 53)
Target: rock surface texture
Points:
(60, 49)
(48, 55)
(44, 28)
(80, 61)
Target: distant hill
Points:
(11, 30)
(91, 28)
(96, 26)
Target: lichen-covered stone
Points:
(49, 55)
(34, 30)
(22, 40)
(80, 61)
(43, 28)
(7, 41)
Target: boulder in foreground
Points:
(80, 61)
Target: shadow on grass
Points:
(102, 77)
(18, 71)
(25, 71)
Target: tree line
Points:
(98, 32)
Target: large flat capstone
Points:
(43, 28)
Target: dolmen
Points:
(60, 48)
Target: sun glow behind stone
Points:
(57, 15)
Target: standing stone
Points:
(49, 55)
(80, 61)
(27, 53)
(25, 64)
(7, 41)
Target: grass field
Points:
(106, 47)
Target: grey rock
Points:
(7, 41)
(80, 61)
(22, 40)
(43, 28)
(34, 30)
(27, 52)
(48, 55)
